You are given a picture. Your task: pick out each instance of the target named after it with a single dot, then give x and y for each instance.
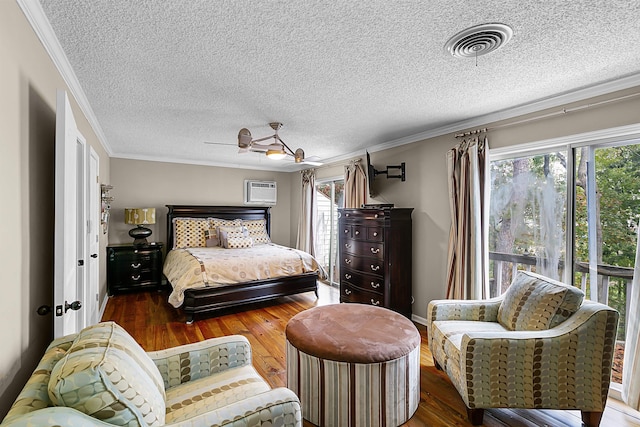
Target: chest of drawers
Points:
(375, 257)
(132, 267)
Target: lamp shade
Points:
(138, 216)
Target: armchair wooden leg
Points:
(475, 416)
(591, 419)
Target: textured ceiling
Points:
(162, 77)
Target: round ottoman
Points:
(354, 365)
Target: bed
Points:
(207, 298)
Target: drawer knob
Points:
(347, 291)
(347, 276)
(376, 302)
(375, 250)
(375, 267)
(348, 246)
(346, 214)
(375, 285)
(135, 277)
(357, 232)
(375, 216)
(375, 234)
(135, 265)
(347, 261)
(346, 231)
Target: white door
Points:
(65, 268)
(92, 263)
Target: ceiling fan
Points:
(276, 149)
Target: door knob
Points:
(43, 310)
(76, 305)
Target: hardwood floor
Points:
(149, 318)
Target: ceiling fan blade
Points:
(244, 138)
(218, 143)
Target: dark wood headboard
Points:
(223, 212)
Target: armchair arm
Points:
(189, 362)
(279, 406)
(54, 416)
(566, 367)
(450, 309)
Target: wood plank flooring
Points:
(149, 318)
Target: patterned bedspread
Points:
(216, 266)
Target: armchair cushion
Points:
(534, 303)
(107, 375)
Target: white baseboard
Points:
(418, 319)
(103, 306)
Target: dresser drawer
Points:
(367, 282)
(368, 249)
(133, 278)
(363, 214)
(363, 264)
(353, 294)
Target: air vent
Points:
(478, 40)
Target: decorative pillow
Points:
(533, 302)
(189, 232)
(257, 230)
(211, 238)
(237, 240)
(107, 375)
(224, 231)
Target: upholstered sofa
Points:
(539, 345)
(102, 377)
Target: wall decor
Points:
(106, 206)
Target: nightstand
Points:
(132, 268)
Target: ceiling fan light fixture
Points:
(276, 154)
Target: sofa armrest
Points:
(189, 362)
(565, 367)
(475, 310)
(54, 416)
(279, 406)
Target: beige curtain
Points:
(467, 272)
(631, 365)
(355, 184)
(308, 208)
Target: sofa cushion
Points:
(106, 374)
(533, 302)
(207, 394)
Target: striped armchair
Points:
(537, 346)
(102, 377)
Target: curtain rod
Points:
(546, 116)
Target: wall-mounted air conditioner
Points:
(260, 192)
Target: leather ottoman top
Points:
(355, 333)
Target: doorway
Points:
(330, 197)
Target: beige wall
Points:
(139, 183)
(28, 83)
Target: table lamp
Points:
(140, 217)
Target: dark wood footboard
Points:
(206, 301)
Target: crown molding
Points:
(42, 27)
(277, 167)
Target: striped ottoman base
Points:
(354, 365)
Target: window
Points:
(578, 203)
